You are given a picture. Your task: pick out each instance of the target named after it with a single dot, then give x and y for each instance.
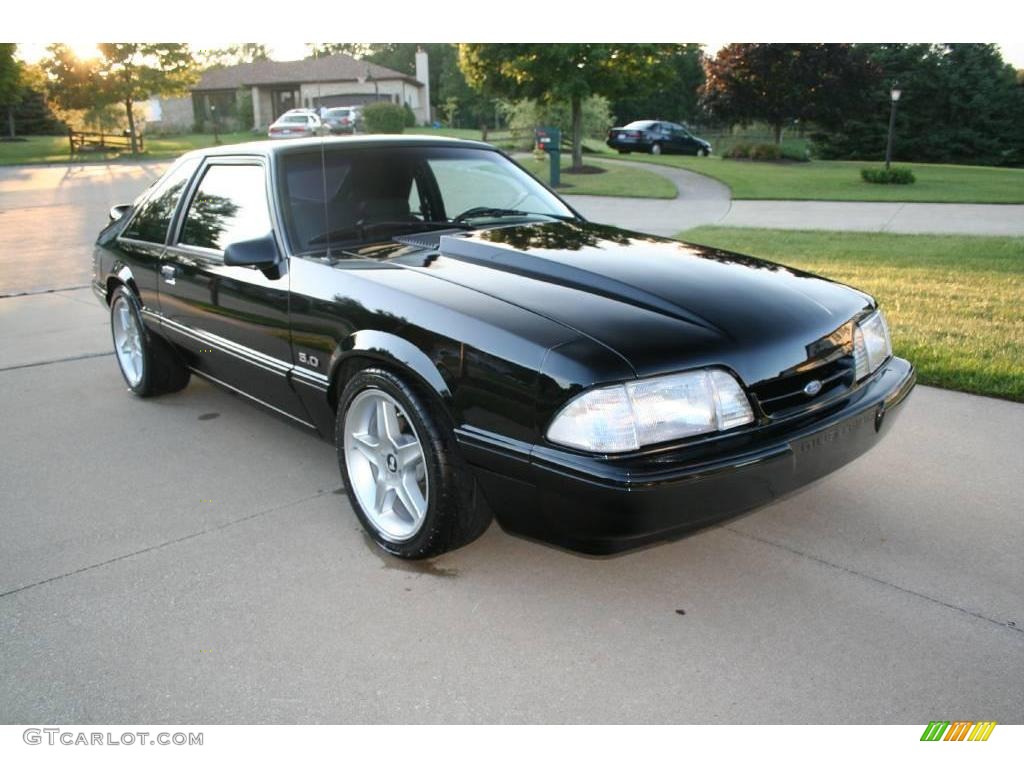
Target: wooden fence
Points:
(98, 141)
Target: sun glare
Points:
(84, 50)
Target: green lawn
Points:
(54, 149)
(840, 180)
(616, 181)
(954, 303)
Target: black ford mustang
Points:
(472, 344)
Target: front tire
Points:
(405, 479)
(148, 364)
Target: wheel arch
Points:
(122, 275)
(368, 347)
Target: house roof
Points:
(324, 69)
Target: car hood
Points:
(661, 304)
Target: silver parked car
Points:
(341, 120)
(296, 125)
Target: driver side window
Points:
(229, 206)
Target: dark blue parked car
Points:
(656, 137)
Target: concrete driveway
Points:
(192, 559)
(50, 215)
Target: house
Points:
(267, 89)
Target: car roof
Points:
(270, 148)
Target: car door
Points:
(141, 244)
(232, 321)
(681, 141)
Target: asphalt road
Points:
(191, 559)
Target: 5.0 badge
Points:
(310, 360)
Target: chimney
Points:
(423, 75)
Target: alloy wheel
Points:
(127, 341)
(386, 465)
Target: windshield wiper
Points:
(496, 213)
(359, 231)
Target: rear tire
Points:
(149, 365)
(655, 148)
(408, 513)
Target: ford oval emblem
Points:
(811, 388)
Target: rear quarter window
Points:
(151, 221)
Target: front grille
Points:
(786, 393)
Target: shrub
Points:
(384, 117)
(890, 176)
(800, 154)
(410, 116)
(243, 108)
(737, 151)
(525, 115)
(766, 152)
(754, 151)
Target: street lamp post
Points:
(894, 96)
(216, 133)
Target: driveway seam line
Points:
(891, 219)
(875, 579)
(180, 539)
(86, 356)
(43, 291)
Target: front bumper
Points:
(604, 505)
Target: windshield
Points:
(337, 113)
(293, 119)
(639, 124)
(351, 196)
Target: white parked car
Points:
(296, 124)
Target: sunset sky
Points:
(1012, 52)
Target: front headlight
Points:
(871, 344)
(625, 417)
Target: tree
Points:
(33, 113)
(960, 103)
(356, 50)
(11, 82)
(74, 83)
(230, 55)
(559, 72)
(780, 83)
(677, 95)
(134, 72)
(124, 73)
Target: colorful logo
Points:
(960, 730)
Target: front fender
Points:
(389, 348)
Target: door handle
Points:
(168, 272)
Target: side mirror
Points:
(260, 253)
(118, 211)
